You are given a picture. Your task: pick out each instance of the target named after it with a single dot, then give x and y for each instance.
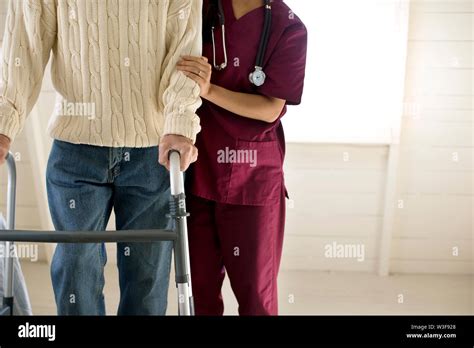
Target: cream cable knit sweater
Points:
(114, 67)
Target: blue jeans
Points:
(84, 183)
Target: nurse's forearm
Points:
(252, 106)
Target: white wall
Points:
(342, 201)
(437, 189)
(355, 76)
(333, 200)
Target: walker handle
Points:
(11, 201)
(11, 191)
(176, 175)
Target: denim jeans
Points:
(84, 184)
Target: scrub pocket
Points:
(257, 173)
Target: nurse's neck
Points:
(242, 7)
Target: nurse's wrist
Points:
(210, 92)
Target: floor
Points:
(306, 293)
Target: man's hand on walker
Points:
(4, 148)
(186, 148)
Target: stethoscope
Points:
(258, 77)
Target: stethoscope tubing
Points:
(263, 41)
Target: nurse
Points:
(236, 190)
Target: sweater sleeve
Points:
(30, 33)
(181, 94)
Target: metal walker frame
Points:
(178, 235)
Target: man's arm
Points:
(30, 33)
(180, 94)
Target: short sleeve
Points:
(286, 66)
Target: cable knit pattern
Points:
(114, 68)
(118, 125)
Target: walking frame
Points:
(178, 235)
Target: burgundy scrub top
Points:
(260, 182)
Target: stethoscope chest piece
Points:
(258, 77)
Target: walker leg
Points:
(7, 309)
(181, 245)
(181, 259)
(11, 201)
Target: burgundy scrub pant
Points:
(244, 241)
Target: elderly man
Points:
(122, 105)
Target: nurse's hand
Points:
(199, 70)
(183, 145)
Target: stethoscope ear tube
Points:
(221, 17)
(224, 64)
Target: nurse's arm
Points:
(257, 107)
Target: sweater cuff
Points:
(9, 120)
(182, 125)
